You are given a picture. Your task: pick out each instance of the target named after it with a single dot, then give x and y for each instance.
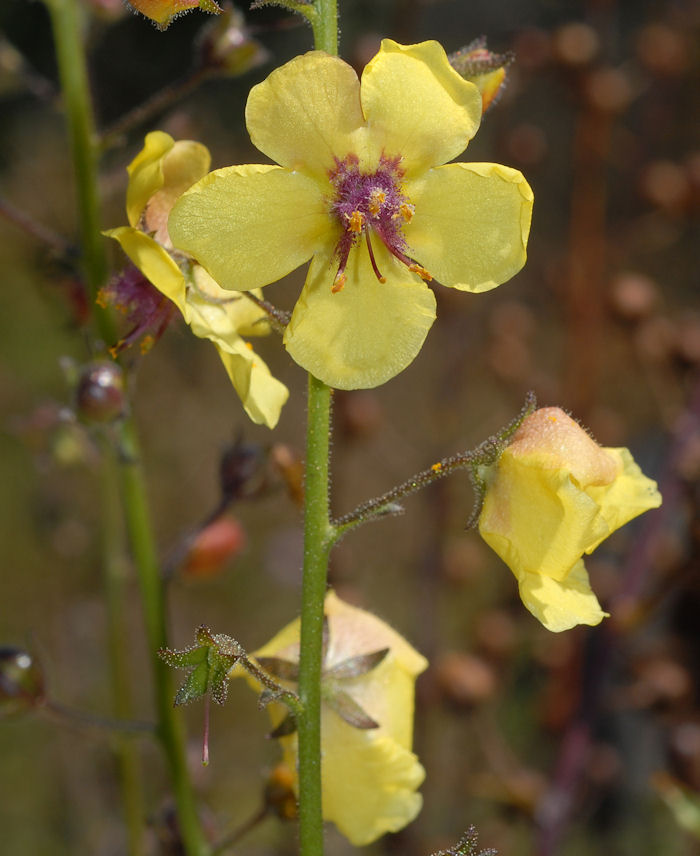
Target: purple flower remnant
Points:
(144, 307)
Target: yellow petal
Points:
(250, 225)
(213, 304)
(261, 394)
(182, 166)
(417, 106)
(471, 224)
(154, 263)
(368, 332)
(631, 494)
(306, 113)
(146, 174)
(368, 777)
(368, 781)
(563, 604)
(538, 520)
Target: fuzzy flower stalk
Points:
(364, 189)
(158, 175)
(553, 496)
(369, 774)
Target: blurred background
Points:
(582, 742)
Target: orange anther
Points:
(356, 221)
(338, 283)
(421, 271)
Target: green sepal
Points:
(211, 659)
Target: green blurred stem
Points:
(318, 540)
(170, 727)
(113, 567)
(325, 26)
(67, 29)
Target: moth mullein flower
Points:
(552, 497)
(158, 175)
(369, 775)
(364, 190)
(163, 12)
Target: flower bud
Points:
(21, 681)
(226, 45)
(213, 547)
(485, 69)
(100, 393)
(164, 12)
(279, 794)
(241, 470)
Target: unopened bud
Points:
(279, 793)
(100, 393)
(164, 12)
(21, 681)
(241, 470)
(218, 543)
(227, 46)
(485, 69)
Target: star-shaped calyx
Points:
(332, 680)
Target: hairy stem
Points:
(318, 540)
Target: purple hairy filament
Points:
(371, 203)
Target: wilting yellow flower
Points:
(365, 191)
(369, 774)
(158, 175)
(553, 496)
(163, 12)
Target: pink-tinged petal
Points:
(417, 106)
(471, 224)
(306, 113)
(250, 225)
(365, 334)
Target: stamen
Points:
(405, 212)
(377, 198)
(372, 260)
(338, 282)
(356, 221)
(421, 271)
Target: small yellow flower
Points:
(365, 191)
(553, 496)
(369, 774)
(158, 175)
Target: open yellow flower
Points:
(369, 774)
(553, 496)
(364, 190)
(158, 175)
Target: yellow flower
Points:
(553, 496)
(365, 191)
(369, 774)
(158, 175)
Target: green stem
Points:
(170, 727)
(70, 54)
(325, 26)
(115, 593)
(318, 539)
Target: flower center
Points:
(371, 202)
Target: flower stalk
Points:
(318, 540)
